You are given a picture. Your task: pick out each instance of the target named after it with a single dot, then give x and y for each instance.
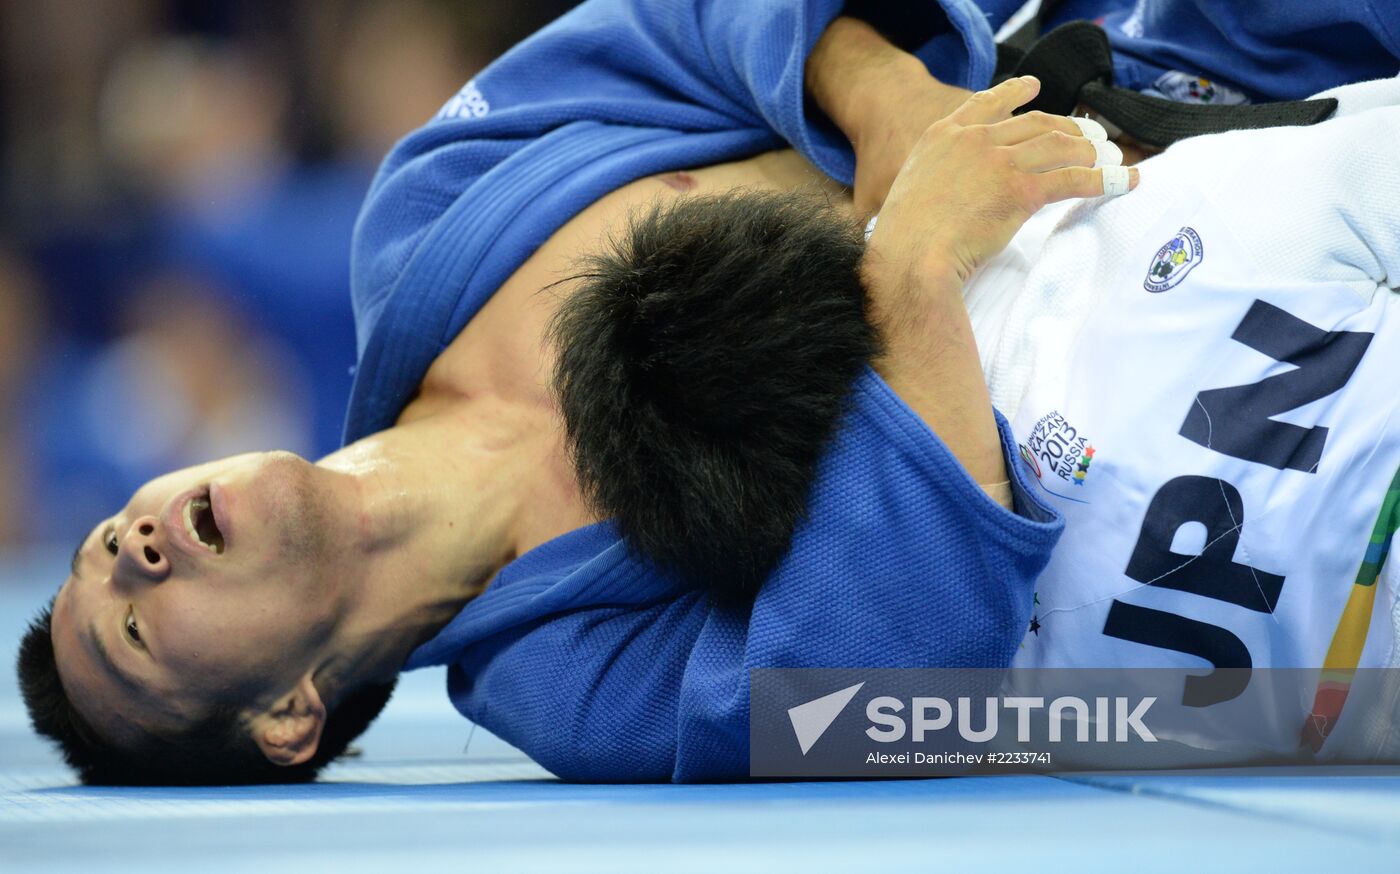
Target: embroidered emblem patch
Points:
(1188, 88)
(1173, 261)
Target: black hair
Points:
(216, 751)
(704, 362)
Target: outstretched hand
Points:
(974, 178)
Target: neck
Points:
(435, 507)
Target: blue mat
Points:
(428, 790)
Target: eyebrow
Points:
(132, 687)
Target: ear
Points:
(289, 732)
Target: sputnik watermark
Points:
(1105, 721)
(889, 726)
(926, 722)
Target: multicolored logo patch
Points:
(1055, 446)
(1190, 88)
(1081, 470)
(1178, 257)
(1029, 458)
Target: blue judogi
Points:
(579, 653)
(582, 655)
(1262, 49)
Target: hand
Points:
(973, 179)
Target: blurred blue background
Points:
(178, 184)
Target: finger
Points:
(1026, 126)
(1063, 184)
(998, 102)
(1091, 129)
(1056, 149)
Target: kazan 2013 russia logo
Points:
(1057, 447)
(1173, 261)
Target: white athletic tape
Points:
(1115, 181)
(1107, 154)
(1091, 129)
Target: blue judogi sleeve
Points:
(1265, 49)
(602, 670)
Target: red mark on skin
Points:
(679, 181)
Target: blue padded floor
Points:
(423, 795)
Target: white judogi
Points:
(1137, 346)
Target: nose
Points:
(143, 551)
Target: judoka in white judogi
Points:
(1204, 378)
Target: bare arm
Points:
(968, 185)
(881, 97)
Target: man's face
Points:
(209, 586)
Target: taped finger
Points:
(1116, 181)
(1070, 182)
(1107, 154)
(1091, 129)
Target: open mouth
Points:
(200, 523)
